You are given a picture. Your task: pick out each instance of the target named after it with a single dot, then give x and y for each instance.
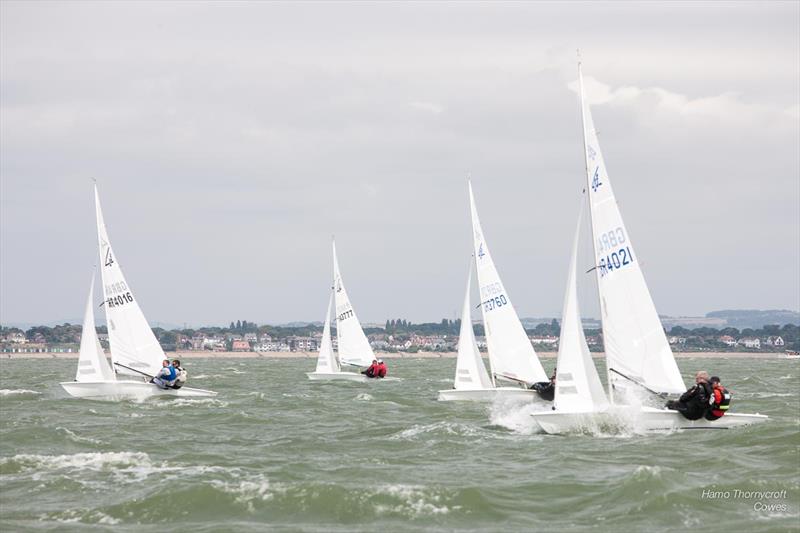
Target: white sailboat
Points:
(135, 351)
(638, 356)
(511, 354)
(354, 348)
(328, 367)
(471, 380)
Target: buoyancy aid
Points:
(719, 401)
(381, 372)
(180, 377)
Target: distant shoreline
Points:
(392, 355)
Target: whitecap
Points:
(77, 438)
(18, 392)
(364, 397)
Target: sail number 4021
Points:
(615, 260)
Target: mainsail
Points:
(578, 386)
(510, 351)
(354, 348)
(634, 339)
(92, 362)
(470, 372)
(326, 361)
(132, 342)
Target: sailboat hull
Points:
(336, 376)
(128, 390)
(635, 419)
(486, 395)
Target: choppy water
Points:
(278, 452)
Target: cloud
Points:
(430, 107)
(663, 103)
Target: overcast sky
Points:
(231, 140)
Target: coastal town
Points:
(396, 336)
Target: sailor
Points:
(546, 389)
(719, 401)
(372, 370)
(166, 376)
(181, 374)
(381, 372)
(694, 403)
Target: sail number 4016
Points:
(119, 299)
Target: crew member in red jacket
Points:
(372, 371)
(381, 372)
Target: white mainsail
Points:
(634, 339)
(470, 372)
(132, 342)
(326, 361)
(578, 386)
(510, 351)
(92, 362)
(354, 348)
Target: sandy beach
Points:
(393, 355)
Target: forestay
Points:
(92, 362)
(470, 372)
(634, 339)
(132, 342)
(510, 351)
(354, 348)
(578, 386)
(326, 361)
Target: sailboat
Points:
(511, 355)
(328, 367)
(640, 363)
(354, 347)
(135, 351)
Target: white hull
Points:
(128, 390)
(636, 419)
(336, 376)
(344, 376)
(486, 395)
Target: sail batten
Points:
(511, 353)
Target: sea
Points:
(277, 452)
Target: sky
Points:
(230, 141)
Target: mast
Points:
(491, 367)
(591, 220)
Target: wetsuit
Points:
(546, 390)
(693, 403)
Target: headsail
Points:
(92, 362)
(578, 386)
(326, 361)
(470, 372)
(510, 351)
(354, 348)
(132, 342)
(634, 339)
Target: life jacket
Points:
(182, 375)
(381, 372)
(720, 401)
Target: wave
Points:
(364, 397)
(444, 428)
(97, 461)
(19, 392)
(77, 438)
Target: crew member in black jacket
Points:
(693, 403)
